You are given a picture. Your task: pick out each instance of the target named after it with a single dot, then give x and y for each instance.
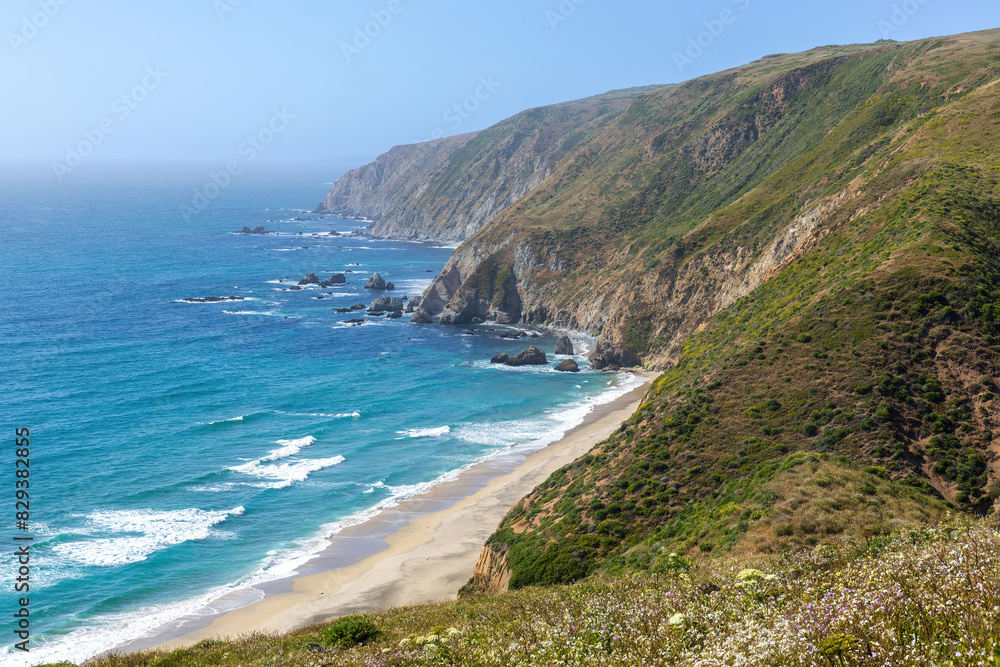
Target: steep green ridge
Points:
(875, 340)
(449, 188)
(698, 191)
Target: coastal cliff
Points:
(807, 247)
(446, 190)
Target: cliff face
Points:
(376, 188)
(808, 247)
(446, 190)
(699, 193)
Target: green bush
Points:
(350, 631)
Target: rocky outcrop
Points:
(492, 573)
(375, 282)
(309, 279)
(564, 345)
(378, 189)
(380, 304)
(386, 304)
(335, 279)
(500, 358)
(255, 230)
(530, 357)
(566, 256)
(437, 296)
(568, 366)
(447, 189)
(211, 299)
(465, 310)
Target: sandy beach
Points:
(431, 555)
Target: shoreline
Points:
(422, 550)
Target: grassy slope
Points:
(828, 409)
(725, 162)
(928, 596)
(879, 344)
(499, 158)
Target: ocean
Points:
(184, 454)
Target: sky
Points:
(334, 82)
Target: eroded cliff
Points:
(448, 189)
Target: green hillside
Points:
(808, 249)
(876, 343)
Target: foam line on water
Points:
(115, 630)
(140, 533)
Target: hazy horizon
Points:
(307, 84)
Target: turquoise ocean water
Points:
(183, 454)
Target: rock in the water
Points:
(395, 313)
(375, 282)
(390, 286)
(380, 304)
(612, 358)
(310, 279)
(568, 366)
(255, 230)
(294, 288)
(354, 323)
(422, 316)
(211, 299)
(335, 279)
(396, 303)
(413, 304)
(530, 357)
(500, 358)
(564, 345)
(343, 310)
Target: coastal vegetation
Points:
(808, 249)
(919, 596)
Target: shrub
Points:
(350, 631)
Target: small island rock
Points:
(500, 358)
(310, 279)
(568, 366)
(382, 303)
(335, 279)
(564, 345)
(530, 357)
(375, 282)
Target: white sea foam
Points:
(376, 485)
(268, 313)
(425, 432)
(226, 421)
(147, 531)
(288, 448)
(155, 620)
(342, 415)
(281, 475)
